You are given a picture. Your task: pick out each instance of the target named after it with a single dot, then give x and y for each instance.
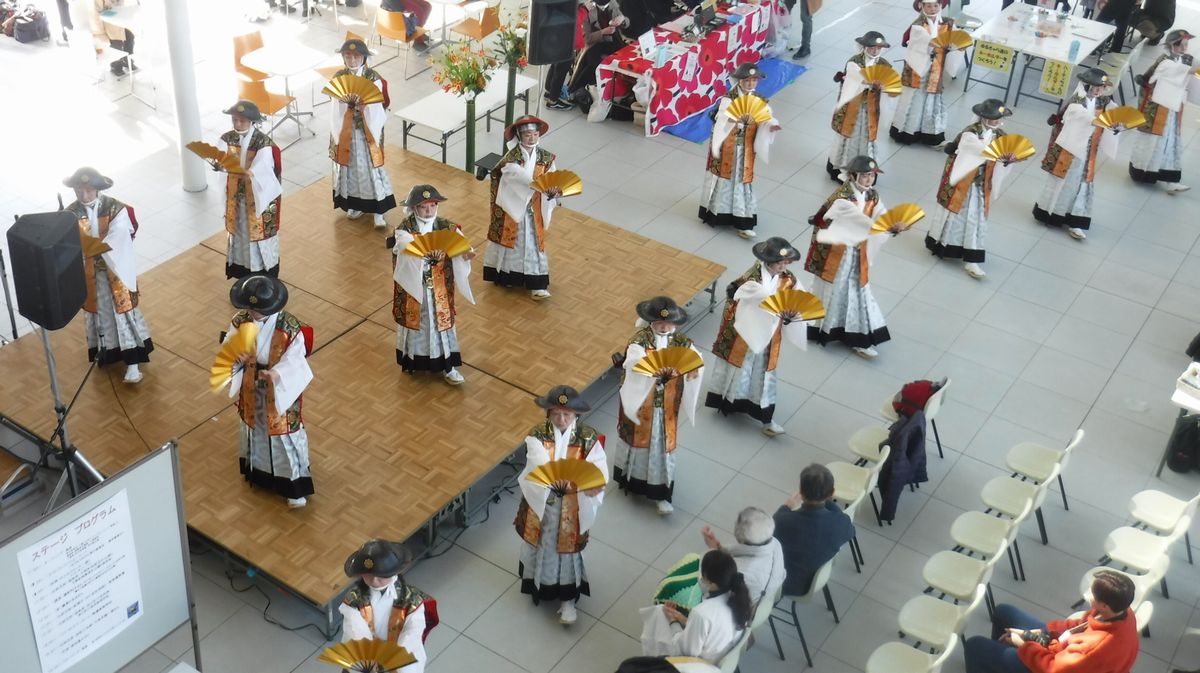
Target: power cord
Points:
(267, 617)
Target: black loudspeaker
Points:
(47, 268)
(552, 31)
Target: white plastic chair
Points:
(1028, 460)
(1142, 584)
(983, 534)
(897, 657)
(779, 613)
(1159, 513)
(865, 443)
(1008, 496)
(852, 483)
(729, 662)
(928, 620)
(1140, 550)
(957, 575)
(932, 407)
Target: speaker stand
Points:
(73, 460)
(12, 317)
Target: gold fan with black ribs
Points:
(584, 476)
(885, 76)
(566, 182)
(960, 39)
(1126, 116)
(676, 360)
(1009, 148)
(243, 342)
(803, 305)
(92, 246)
(222, 161)
(899, 218)
(751, 105)
(366, 655)
(353, 88)
(446, 240)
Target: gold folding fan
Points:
(448, 241)
(366, 654)
(584, 475)
(1010, 148)
(347, 88)
(680, 358)
(804, 304)
(751, 105)
(902, 217)
(883, 75)
(225, 161)
(92, 246)
(243, 341)
(957, 38)
(567, 183)
(1127, 116)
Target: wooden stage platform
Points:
(388, 450)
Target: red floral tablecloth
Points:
(679, 89)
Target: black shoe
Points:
(420, 46)
(802, 52)
(556, 104)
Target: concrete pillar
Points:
(187, 110)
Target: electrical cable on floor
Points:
(271, 620)
(506, 486)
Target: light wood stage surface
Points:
(388, 450)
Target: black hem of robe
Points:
(954, 251)
(513, 279)
(552, 592)
(130, 356)
(727, 220)
(740, 406)
(364, 205)
(1051, 220)
(833, 171)
(905, 138)
(288, 488)
(641, 487)
(851, 339)
(424, 363)
(1151, 177)
(238, 271)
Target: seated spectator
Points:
(915, 395)
(108, 34)
(712, 628)
(419, 10)
(600, 20)
(1104, 640)
(757, 553)
(811, 528)
(664, 665)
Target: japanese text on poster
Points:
(1056, 78)
(993, 56)
(82, 585)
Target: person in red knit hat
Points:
(1104, 640)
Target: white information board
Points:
(89, 587)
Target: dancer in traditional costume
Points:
(965, 190)
(252, 199)
(116, 330)
(380, 605)
(516, 252)
(648, 416)
(1075, 143)
(841, 272)
(728, 194)
(356, 144)
(856, 121)
(268, 387)
(921, 113)
(743, 380)
(553, 521)
(423, 291)
(1158, 153)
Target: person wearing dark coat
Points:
(811, 528)
(906, 463)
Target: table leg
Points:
(404, 128)
(445, 136)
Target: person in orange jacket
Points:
(1104, 640)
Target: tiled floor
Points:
(1060, 335)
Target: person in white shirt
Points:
(253, 198)
(757, 553)
(381, 606)
(711, 629)
(268, 385)
(116, 330)
(553, 521)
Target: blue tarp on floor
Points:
(776, 75)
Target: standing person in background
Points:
(1118, 13)
(253, 199)
(356, 141)
(106, 34)
(116, 330)
(807, 9)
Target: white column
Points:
(187, 110)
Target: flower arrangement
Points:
(513, 42)
(462, 70)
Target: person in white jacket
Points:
(381, 606)
(711, 629)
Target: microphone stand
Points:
(71, 456)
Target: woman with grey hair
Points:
(757, 553)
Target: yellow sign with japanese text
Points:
(993, 56)
(1056, 79)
